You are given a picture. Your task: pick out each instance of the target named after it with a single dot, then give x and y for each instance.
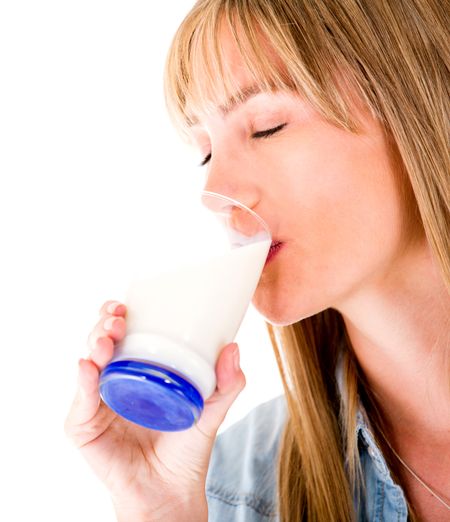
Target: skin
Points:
(341, 205)
(150, 475)
(342, 208)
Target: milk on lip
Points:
(183, 318)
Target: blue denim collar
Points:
(364, 431)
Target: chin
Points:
(276, 313)
(283, 309)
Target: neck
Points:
(400, 331)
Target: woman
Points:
(330, 120)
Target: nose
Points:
(232, 174)
(242, 223)
(229, 175)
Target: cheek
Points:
(353, 207)
(343, 223)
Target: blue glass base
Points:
(150, 395)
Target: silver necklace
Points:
(435, 495)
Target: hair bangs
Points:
(199, 80)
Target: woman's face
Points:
(330, 196)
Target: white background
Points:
(84, 141)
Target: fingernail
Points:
(111, 307)
(236, 358)
(108, 324)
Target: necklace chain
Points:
(441, 500)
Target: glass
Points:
(179, 318)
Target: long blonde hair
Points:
(396, 55)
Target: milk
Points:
(182, 319)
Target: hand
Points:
(148, 472)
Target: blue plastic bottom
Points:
(151, 396)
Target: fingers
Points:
(102, 353)
(109, 329)
(111, 324)
(230, 382)
(112, 307)
(230, 378)
(87, 398)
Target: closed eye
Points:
(268, 132)
(259, 134)
(205, 161)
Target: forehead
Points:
(242, 75)
(234, 101)
(232, 55)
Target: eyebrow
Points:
(233, 102)
(239, 99)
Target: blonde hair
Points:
(396, 56)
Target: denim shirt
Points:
(241, 480)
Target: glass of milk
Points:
(181, 315)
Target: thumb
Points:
(230, 382)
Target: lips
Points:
(274, 249)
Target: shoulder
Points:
(241, 480)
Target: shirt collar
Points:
(364, 430)
(362, 419)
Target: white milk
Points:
(182, 319)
